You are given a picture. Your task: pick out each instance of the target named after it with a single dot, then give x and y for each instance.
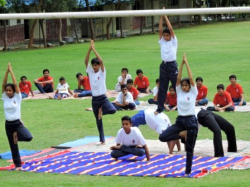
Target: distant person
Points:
(171, 103)
(25, 87)
(15, 129)
(129, 140)
(124, 100)
(141, 82)
(83, 82)
(45, 84)
(122, 79)
(222, 101)
(236, 91)
(155, 93)
(201, 99)
(62, 90)
(97, 77)
(133, 91)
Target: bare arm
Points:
(229, 104)
(98, 56)
(47, 82)
(5, 80)
(179, 74)
(14, 79)
(190, 76)
(87, 55)
(169, 27)
(31, 91)
(160, 27)
(242, 99)
(147, 152)
(79, 84)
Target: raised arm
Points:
(13, 79)
(97, 55)
(87, 55)
(160, 27)
(5, 79)
(169, 27)
(179, 74)
(190, 76)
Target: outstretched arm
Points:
(88, 53)
(147, 152)
(5, 79)
(169, 27)
(190, 76)
(97, 55)
(160, 27)
(13, 79)
(180, 73)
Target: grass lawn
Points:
(214, 52)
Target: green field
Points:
(214, 52)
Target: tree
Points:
(3, 9)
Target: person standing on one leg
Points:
(97, 77)
(186, 120)
(14, 127)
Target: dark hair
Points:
(78, 75)
(123, 86)
(139, 71)
(171, 87)
(125, 69)
(186, 80)
(220, 86)
(166, 31)
(95, 61)
(130, 81)
(62, 79)
(45, 70)
(126, 118)
(199, 79)
(232, 76)
(23, 77)
(157, 80)
(10, 85)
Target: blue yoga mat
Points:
(23, 152)
(83, 141)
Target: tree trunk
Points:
(32, 34)
(90, 22)
(120, 22)
(152, 18)
(60, 30)
(43, 33)
(73, 26)
(141, 25)
(5, 35)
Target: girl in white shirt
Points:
(14, 127)
(186, 120)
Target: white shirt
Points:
(12, 106)
(186, 101)
(168, 49)
(63, 88)
(118, 86)
(97, 81)
(128, 98)
(155, 91)
(132, 139)
(159, 122)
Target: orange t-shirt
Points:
(202, 92)
(42, 79)
(141, 83)
(223, 99)
(134, 92)
(85, 83)
(25, 87)
(235, 91)
(171, 99)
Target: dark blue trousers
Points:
(130, 106)
(168, 72)
(182, 123)
(46, 89)
(107, 108)
(126, 150)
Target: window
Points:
(18, 21)
(2, 22)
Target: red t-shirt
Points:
(171, 99)
(85, 83)
(223, 99)
(235, 91)
(202, 92)
(25, 87)
(134, 92)
(41, 79)
(141, 83)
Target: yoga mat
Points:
(23, 152)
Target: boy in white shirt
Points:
(129, 140)
(97, 77)
(124, 100)
(122, 79)
(155, 93)
(62, 90)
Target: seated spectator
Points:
(83, 81)
(122, 79)
(236, 91)
(129, 140)
(155, 93)
(45, 84)
(222, 100)
(141, 82)
(62, 90)
(25, 87)
(171, 102)
(201, 99)
(124, 100)
(133, 91)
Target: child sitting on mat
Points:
(62, 90)
(25, 87)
